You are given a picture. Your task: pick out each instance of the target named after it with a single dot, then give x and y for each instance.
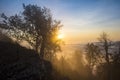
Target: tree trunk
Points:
(107, 55)
(37, 45)
(106, 46)
(42, 49)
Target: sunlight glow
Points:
(60, 36)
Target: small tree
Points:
(93, 55)
(106, 43)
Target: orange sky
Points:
(87, 36)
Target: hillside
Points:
(19, 63)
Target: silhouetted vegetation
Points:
(91, 62)
(35, 25)
(103, 55)
(20, 63)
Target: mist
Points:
(71, 62)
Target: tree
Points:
(116, 54)
(36, 26)
(93, 56)
(106, 43)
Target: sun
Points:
(60, 36)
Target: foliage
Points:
(106, 43)
(36, 26)
(93, 55)
(20, 63)
(106, 61)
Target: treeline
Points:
(105, 56)
(96, 61)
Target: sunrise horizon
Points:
(83, 20)
(59, 39)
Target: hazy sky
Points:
(83, 20)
